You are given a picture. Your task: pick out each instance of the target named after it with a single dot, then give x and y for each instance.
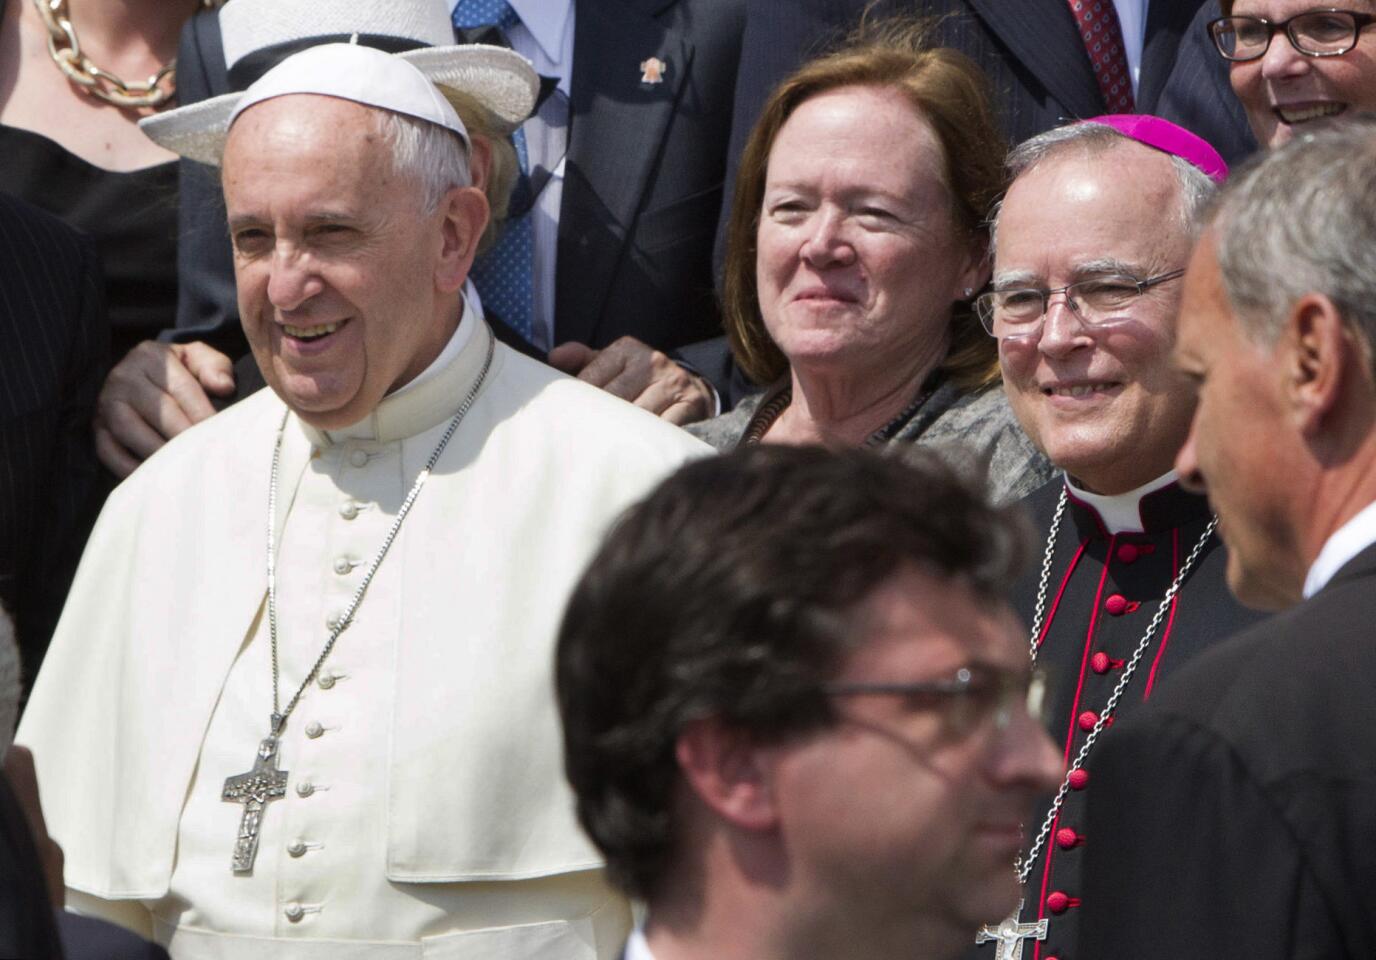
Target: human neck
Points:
(135, 29)
(845, 411)
(1333, 498)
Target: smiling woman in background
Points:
(1295, 61)
(855, 246)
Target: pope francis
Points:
(299, 703)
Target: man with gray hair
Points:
(300, 703)
(1269, 851)
(1089, 246)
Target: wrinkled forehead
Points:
(1079, 212)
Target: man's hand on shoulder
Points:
(154, 393)
(637, 372)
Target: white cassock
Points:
(426, 813)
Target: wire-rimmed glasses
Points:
(1020, 311)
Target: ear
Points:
(976, 270)
(1316, 364)
(727, 770)
(463, 216)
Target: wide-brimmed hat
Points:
(257, 34)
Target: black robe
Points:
(1244, 798)
(1100, 597)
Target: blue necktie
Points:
(503, 275)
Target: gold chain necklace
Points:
(65, 50)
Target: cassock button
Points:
(1128, 552)
(1057, 902)
(1078, 779)
(314, 730)
(358, 458)
(342, 566)
(305, 788)
(1116, 604)
(325, 680)
(332, 622)
(297, 848)
(294, 912)
(1067, 838)
(348, 511)
(1100, 662)
(1087, 720)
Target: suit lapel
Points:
(1167, 21)
(617, 132)
(1043, 36)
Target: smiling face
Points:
(347, 288)
(859, 257)
(1104, 404)
(1285, 89)
(891, 814)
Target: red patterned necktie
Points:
(1098, 22)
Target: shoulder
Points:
(571, 414)
(28, 234)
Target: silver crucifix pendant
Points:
(1010, 935)
(255, 790)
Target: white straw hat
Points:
(502, 81)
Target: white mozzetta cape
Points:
(173, 581)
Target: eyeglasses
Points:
(975, 694)
(1019, 312)
(1314, 33)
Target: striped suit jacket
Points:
(54, 346)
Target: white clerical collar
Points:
(636, 947)
(1122, 512)
(434, 395)
(1346, 542)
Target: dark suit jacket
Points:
(642, 188)
(1235, 816)
(54, 346)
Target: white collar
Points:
(545, 20)
(636, 947)
(1122, 512)
(433, 396)
(1346, 542)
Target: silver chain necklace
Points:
(1009, 935)
(265, 783)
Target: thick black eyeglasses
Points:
(971, 696)
(1314, 33)
(1020, 311)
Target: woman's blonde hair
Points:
(950, 93)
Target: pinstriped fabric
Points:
(54, 342)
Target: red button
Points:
(1078, 779)
(1057, 902)
(1116, 604)
(1066, 838)
(1100, 662)
(1128, 552)
(1087, 720)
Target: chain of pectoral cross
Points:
(265, 783)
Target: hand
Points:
(154, 393)
(636, 372)
(24, 782)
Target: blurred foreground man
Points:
(1268, 851)
(299, 702)
(796, 710)
(1090, 244)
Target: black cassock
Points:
(1101, 595)
(1237, 814)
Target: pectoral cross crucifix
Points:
(1011, 935)
(255, 790)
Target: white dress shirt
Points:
(545, 38)
(1346, 542)
(1132, 21)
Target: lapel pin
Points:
(652, 70)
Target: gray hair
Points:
(1303, 220)
(1196, 192)
(434, 156)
